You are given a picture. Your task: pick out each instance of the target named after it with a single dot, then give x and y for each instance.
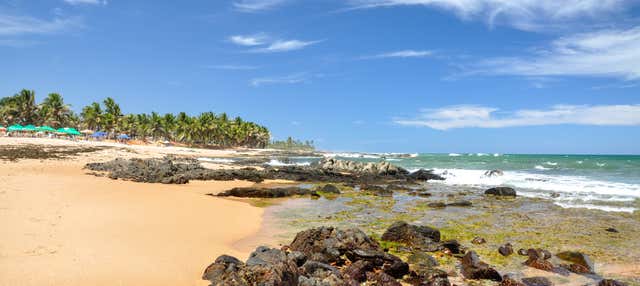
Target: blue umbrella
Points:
(124, 137)
(99, 134)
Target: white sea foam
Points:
(551, 163)
(601, 164)
(597, 207)
(497, 154)
(454, 154)
(352, 155)
(217, 160)
(277, 163)
(538, 167)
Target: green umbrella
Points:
(70, 131)
(29, 128)
(15, 127)
(45, 129)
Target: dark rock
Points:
(493, 173)
(611, 282)
(297, 257)
(357, 271)
(413, 235)
(270, 266)
(390, 264)
(538, 259)
(611, 229)
(508, 281)
(577, 258)
(478, 240)
(537, 281)
(330, 189)
(425, 175)
(555, 195)
(226, 270)
(437, 205)
(460, 204)
(473, 268)
(501, 191)
(254, 192)
(422, 259)
(506, 249)
(575, 268)
(424, 194)
(313, 267)
(382, 279)
(522, 252)
(379, 169)
(377, 190)
(328, 244)
(428, 277)
(453, 246)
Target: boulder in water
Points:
(493, 173)
(501, 191)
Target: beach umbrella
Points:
(86, 131)
(29, 128)
(99, 134)
(45, 129)
(15, 127)
(70, 131)
(124, 137)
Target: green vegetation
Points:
(206, 129)
(292, 144)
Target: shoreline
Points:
(63, 227)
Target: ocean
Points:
(603, 182)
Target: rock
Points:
(270, 266)
(428, 277)
(297, 257)
(226, 270)
(478, 240)
(424, 194)
(379, 169)
(577, 258)
(537, 281)
(422, 260)
(357, 271)
(501, 191)
(255, 192)
(554, 195)
(611, 229)
(460, 204)
(506, 249)
(453, 246)
(538, 259)
(611, 282)
(377, 190)
(382, 279)
(437, 205)
(425, 175)
(473, 268)
(493, 173)
(330, 189)
(390, 264)
(575, 268)
(412, 235)
(508, 281)
(328, 244)
(522, 252)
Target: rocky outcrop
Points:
(254, 192)
(419, 236)
(171, 170)
(324, 256)
(329, 189)
(493, 173)
(581, 263)
(538, 258)
(473, 268)
(501, 191)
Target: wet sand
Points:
(62, 227)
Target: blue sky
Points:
(518, 76)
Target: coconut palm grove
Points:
(204, 129)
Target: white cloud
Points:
(522, 14)
(86, 2)
(19, 25)
(609, 53)
(248, 40)
(473, 116)
(289, 79)
(285, 46)
(263, 43)
(256, 5)
(402, 54)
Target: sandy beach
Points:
(62, 227)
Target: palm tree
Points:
(55, 111)
(169, 126)
(111, 115)
(92, 116)
(156, 126)
(22, 108)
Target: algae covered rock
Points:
(473, 268)
(412, 235)
(501, 191)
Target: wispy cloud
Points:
(248, 40)
(401, 54)
(288, 79)
(232, 67)
(252, 6)
(522, 14)
(608, 53)
(86, 2)
(20, 25)
(263, 43)
(474, 116)
(285, 46)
